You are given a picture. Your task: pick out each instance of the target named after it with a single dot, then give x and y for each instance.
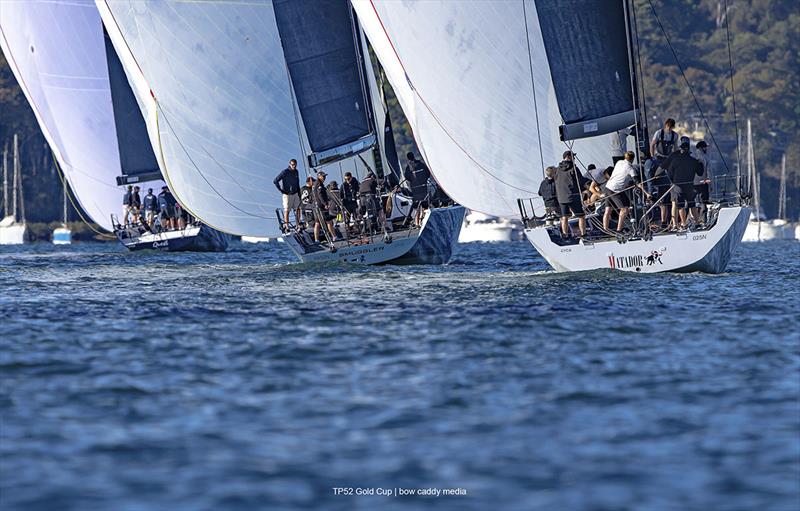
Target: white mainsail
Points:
(56, 52)
(467, 92)
(212, 85)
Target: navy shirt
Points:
(150, 202)
(566, 182)
(288, 181)
(126, 199)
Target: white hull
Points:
(707, 251)
(431, 244)
(492, 232)
(13, 234)
(259, 239)
(768, 231)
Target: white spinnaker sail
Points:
(56, 52)
(462, 74)
(212, 84)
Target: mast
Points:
(16, 181)
(19, 182)
(65, 202)
(5, 180)
(637, 89)
(782, 193)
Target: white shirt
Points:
(623, 172)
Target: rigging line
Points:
(733, 91)
(435, 117)
(641, 72)
(634, 95)
(194, 165)
(533, 85)
(68, 190)
(688, 84)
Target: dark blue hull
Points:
(192, 239)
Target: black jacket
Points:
(547, 190)
(320, 195)
(681, 168)
(350, 190)
(566, 180)
(288, 181)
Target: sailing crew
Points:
(597, 178)
(166, 207)
(547, 191)
(702, 183)
(307, 201)
(126, 204)
(664, 142)
(681, 169)
(619, 142)
(322, 204)
(370, 203)
(150, 203)
(417, 173)
(350, 196)
(623, 174)
(136, 205)
(288, 183)
(569, 195)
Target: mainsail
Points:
(473, 80)
(319, 46)
(211, 82)
(56, 52)
(137, 159)
(587, 51)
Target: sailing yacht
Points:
(488, 229)
(56, 51)
(505, 104)
(63, 235)
(276, 80)
(12, 226)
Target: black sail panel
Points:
(323, 63)
(136, 154)
(586, 43)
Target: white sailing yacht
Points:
(504, 104)
(57, 52)
(63, 235)
(482, 228)
(12, 226)
(234, 90)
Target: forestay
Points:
(56, 52)
(211, 81)
(472, 78)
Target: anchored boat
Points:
(12, 231)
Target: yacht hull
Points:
(707, 251)
(433, 243)
(13, 234)
(198, 238)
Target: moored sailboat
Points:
(12, 226)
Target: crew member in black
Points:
(417, 173)
(547, 191)
(150, 202)
(307, 201)
(288, 183)
(350, 196)
(322, 205)
(681, 169)
(568, 194)
(370, 202)
(136, 204)
(166, 206)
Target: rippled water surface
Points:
(247, 381)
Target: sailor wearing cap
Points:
(322, 206)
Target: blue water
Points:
(247, 381)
